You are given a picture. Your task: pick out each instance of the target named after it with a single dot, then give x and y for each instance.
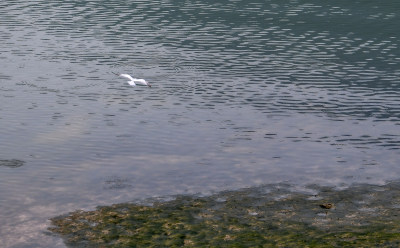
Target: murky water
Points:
(244, 93)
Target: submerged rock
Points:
(268, 216)
(326, 205)
(13, 163)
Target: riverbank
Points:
(267, 216)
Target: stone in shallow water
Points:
(270, 216)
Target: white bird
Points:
(134, 81)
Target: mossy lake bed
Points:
(265, 216)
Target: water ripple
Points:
(243, 91)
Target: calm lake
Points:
(244, 93)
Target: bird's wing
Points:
(127, 76)
(140, 81)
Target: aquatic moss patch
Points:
(268, 216)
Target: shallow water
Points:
(244, 93)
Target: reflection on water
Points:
(244, 93)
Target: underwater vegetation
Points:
(267, 216)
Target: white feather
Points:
(133, 80)
(127, 76)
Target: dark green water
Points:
(244, 93)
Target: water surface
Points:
(244, 93)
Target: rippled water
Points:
(244, 93)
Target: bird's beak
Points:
(149, 85)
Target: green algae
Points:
(268, 216)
